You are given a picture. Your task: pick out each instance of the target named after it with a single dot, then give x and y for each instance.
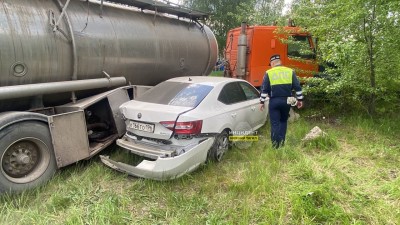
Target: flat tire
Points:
(220, 147)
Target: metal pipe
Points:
(101, 9)
(242, 53)
(20, 91)
(74, 52)
(64, 10)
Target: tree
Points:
(229, 14)
(267, 12)
(361, 37)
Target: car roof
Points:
(206, 80)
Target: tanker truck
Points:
(67, 65)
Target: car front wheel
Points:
(219, 148)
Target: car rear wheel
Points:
(219, 148)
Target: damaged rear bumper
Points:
(164, 167)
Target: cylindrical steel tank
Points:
(144, 47)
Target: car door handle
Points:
(253, 108)
(233, 115)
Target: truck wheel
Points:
(27, 157)
(220, 146)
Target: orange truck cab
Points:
(248, 49)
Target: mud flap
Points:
(165, 168)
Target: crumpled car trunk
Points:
(164, 167)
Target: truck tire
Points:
(220, 147)
(27, 156)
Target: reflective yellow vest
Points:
(280, 75)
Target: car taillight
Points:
(191, 127)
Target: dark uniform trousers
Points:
(278, 114)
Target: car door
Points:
(236, 108)
(255, 116)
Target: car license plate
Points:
(141, 126)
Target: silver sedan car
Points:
(183, 122)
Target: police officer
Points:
(278, 83)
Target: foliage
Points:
(229, 14)
(358, 45)
(361, 38)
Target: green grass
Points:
(349, 177)
(217, 74)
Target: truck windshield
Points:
(176, 93)
(299, 47)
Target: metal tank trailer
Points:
(63, 67)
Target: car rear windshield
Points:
(176, 93)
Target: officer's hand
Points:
(300, 104)
(262, 107)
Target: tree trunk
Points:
(372, 105)
(369, 38)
